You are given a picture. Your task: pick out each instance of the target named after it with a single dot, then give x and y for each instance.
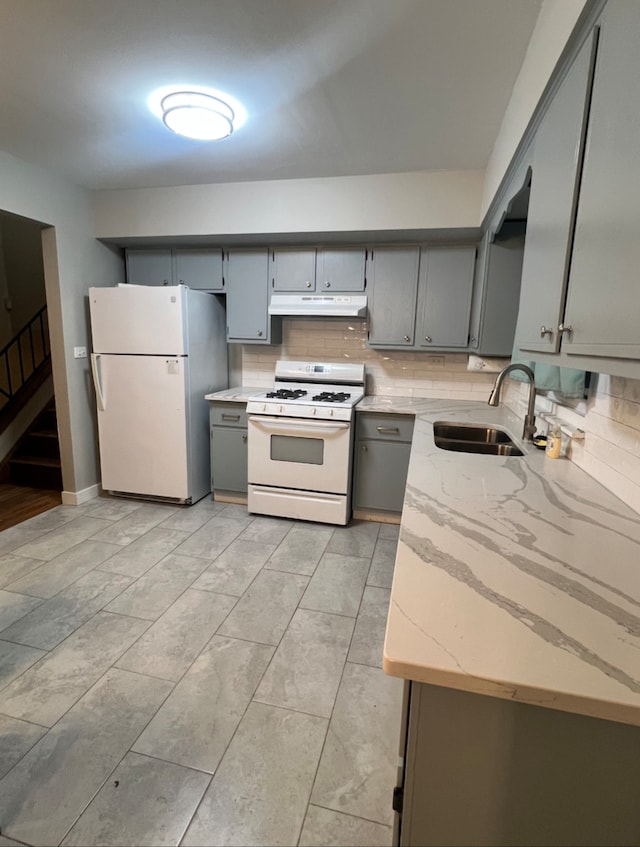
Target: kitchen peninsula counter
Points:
(515, 577)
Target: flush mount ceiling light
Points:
(195, 114)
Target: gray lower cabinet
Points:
(247, 286)
(479, 770)
(228, 422)
(382, 449)
(200, 269)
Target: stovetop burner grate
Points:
(287, 394)
(331, 397)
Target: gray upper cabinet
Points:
(199, 269)
(444, 299)
(293, 270)
(559, 144)
(149, 267)
(325, 270)
(393, 289)
(247, 275)
(496, 295)
(603, 304)
(340, 269)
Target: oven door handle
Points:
(295, 425)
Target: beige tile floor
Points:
(194, 675)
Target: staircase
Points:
(35, 462)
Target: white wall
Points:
(73, 261)
(425, 200)
(554, 26)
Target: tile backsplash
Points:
(610, 450)
(395, 372)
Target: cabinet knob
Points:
(364, 448)
(427, 338)
(406, 338)
(165, 282)
(259, 333)
(327, 285)
(181, 282)
(244, 437)
(308, 284)
(565, 328)
(544, 331)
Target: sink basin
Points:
(474, 438)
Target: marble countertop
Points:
(516, 577)
(239, 394)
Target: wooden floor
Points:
(17, 503)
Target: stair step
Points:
(40, 444)
(36, 472)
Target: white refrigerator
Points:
(156, 353)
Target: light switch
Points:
(79, 352)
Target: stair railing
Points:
(24, 356)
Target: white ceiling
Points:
(332, 87)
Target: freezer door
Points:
(138, 319)
(142, 424)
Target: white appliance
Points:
(156, 352)
(319, 305)
(300, 442)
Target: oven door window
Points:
(295, 448)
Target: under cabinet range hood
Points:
(319, 305)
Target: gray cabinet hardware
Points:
(427, 338)
(544, 331)
(565, 328)
(407, 338)
(390, 430)
(230, 417)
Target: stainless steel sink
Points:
(474, 438)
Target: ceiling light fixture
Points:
(199, 115)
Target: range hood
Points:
(319, 305)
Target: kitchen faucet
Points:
(494, 397)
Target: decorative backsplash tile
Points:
(394, 372)
(610, 451)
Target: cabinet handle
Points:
(427, 338)
(565, 328)
(308, 284)
(327, 285)
(259, 333)
(230, 417)
(406, 338)
(389, 430)
(544, 331)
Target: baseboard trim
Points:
(375, 515)
(77, 498)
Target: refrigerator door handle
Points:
(96, 380)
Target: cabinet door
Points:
(199, 269)
(603, 305)
(446, 283)
(293, 270)
(149, 267)
(558, 144)
(247, 294)
(340, 269)
(392, 303)
(380, 475)
(497, 287)
(228, 459)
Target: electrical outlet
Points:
(79, 352)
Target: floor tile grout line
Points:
(106, 779)
(351, 815)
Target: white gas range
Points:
(300, 442)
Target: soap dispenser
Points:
(554, 442)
